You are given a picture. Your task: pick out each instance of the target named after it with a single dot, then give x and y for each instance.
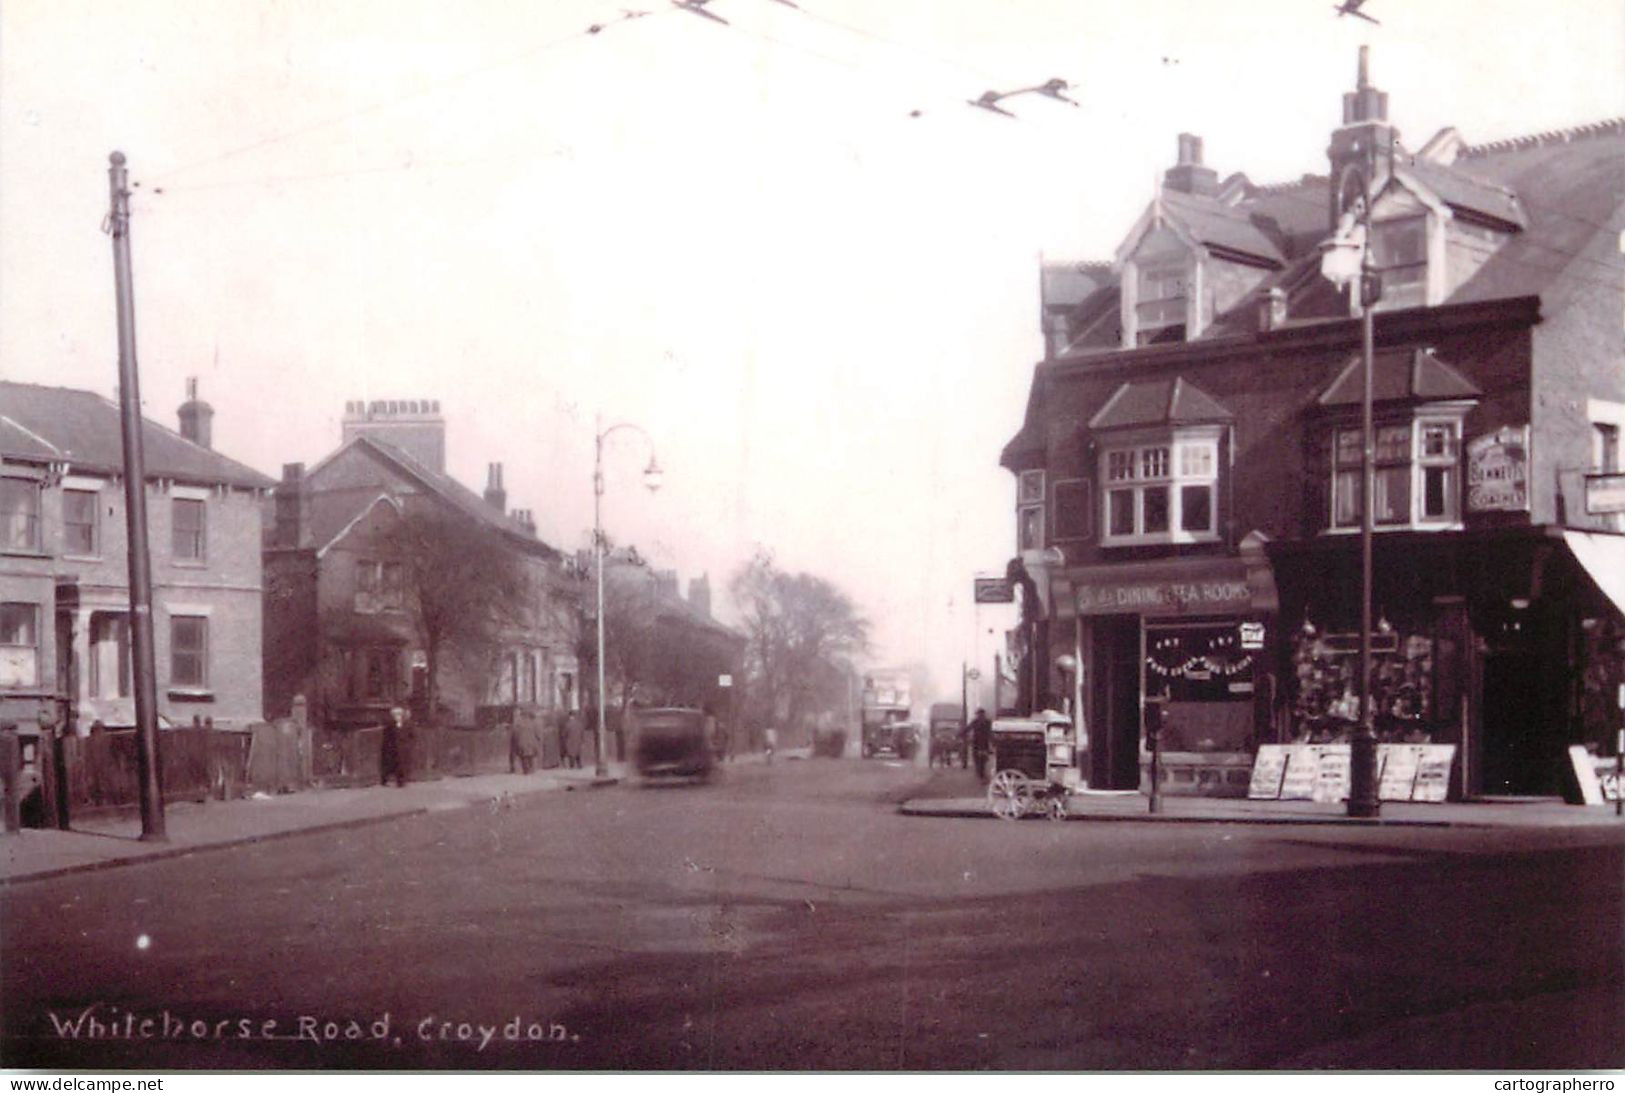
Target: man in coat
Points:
(980, 731)
(396, 752)
(524, 743)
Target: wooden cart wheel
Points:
(1057, 807)
(1008, 794)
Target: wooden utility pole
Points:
(135, 512)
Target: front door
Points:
(1114, 737)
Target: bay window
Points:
(1416, 478)
(1162, 492)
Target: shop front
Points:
(1190, 634)
(1499, 642)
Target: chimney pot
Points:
(196, 417)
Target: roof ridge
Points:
(1308, 178)
(1585, 131)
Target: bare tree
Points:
(462, 586)
(802, 634)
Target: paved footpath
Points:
(1132, 806)
(101, 842)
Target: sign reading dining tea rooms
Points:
(1498, 471)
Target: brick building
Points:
(337, 625)
(1188, 472)
(64, 587)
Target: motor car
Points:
(671, 742)
(899, 738)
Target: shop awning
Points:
(1176, 587)
(1603, 559)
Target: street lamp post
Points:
(651, 479)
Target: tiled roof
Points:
(1400, 375)
(82, 429)
(1158, 402)
(1463, 191)
(1215, 224)
(454, 493)
(1572, 191)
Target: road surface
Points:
(786, 916)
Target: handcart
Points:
(1033, 766)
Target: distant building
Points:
(1188, 482)
(337, 628)
(64, 582)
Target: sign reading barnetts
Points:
(1498, 471)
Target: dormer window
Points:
(1399, 249)
(1160, 304)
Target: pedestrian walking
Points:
(770, 741)
(524, 744)
(981, 742)
(572, 739)
(395, 752)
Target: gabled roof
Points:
(442, 486)
(1218, 226)
(82, 429)
(1463, 192)
(1158, 402)
(667, 605)
(1399, 375)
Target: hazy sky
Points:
(822, 309)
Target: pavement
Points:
(100, 842)
(1132, 806)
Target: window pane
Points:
(1196, 461)
(1196, 508)
(1156, 509)
(188, 651)
(79, 521)
(1392, 500)
(1154, 463)
(1438, 442)
(1348, 447)
(189, 533)
(1072, 510)
(1121, 516)
(1393, 443)
(1400, 243)
(1346, 506)
(1031, 531)
(1119, 466)
(19, 513)
(1439, 493)
(19, 644)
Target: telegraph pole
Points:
(135, 512)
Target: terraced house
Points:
(64, 590)
(1188, 473)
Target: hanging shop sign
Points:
(994, 590)
(1320, 772)
(1605, 493)
(1498, 471)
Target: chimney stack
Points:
(699, 594)
(197, 417)
(495, 495)
(289, 501)
(1188, 175)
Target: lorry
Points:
(947, 729)
(885, 707)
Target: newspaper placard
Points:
(1599, 778)
(1331, 772)
(1302, 767)
(1399, 766)
(1406, 772)
(1433, 772)
(1269, 769)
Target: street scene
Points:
(759, 536)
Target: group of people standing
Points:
(525, 741)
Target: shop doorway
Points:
(1114, 737)
(1513, 757)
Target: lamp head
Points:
(653, 475)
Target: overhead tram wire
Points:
(594, 29)
(273, 182)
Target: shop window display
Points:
(1326, 667)
(1207, 678)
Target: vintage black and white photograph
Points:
(812, 535)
